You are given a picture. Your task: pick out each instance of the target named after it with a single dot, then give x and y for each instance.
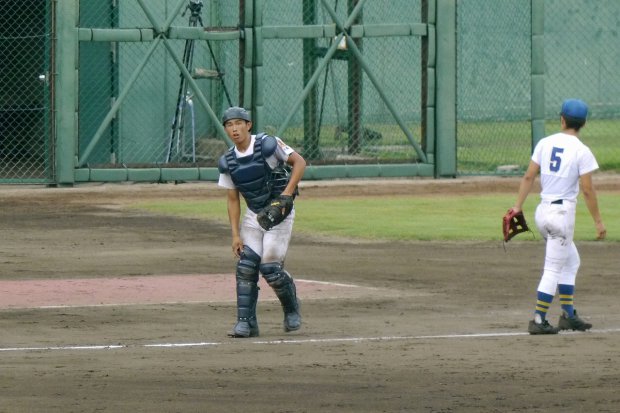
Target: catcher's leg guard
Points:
(247, 294)
(284, 287)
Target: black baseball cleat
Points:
(292, 321)
(573, 323)
(244, 329)
(541, 328)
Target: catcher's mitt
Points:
(276, 212)
(513, 223)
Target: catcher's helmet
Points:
(235, 112)
(278, 179)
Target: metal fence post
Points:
(445, 120)
(66, 99)
(538, 71)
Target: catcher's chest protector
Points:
(249, 173)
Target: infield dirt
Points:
(432, 326)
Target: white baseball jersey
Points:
(281, 155)
(563, 159)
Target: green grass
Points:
(454, 218)
(483, 146)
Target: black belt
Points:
(558, 202)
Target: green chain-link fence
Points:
(581, 54)
(25, 121)
(493, 85)
(351, 114)
(160, 121)
(342, 81)
(345, 119)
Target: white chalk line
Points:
(335, 284)
(296, 341)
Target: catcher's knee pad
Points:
(248, 265)
(275, 276)
(282, 284)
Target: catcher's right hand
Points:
(513, 223)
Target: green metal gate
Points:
(354, 107)
(321, 74)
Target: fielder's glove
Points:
(513, 223)
(276, 212)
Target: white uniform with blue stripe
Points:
(563, 159)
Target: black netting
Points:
(24, 91)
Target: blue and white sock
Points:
(542, 306)
(566, 298)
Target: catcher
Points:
(257, 168)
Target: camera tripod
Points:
(175, 147)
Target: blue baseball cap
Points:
(575, 109)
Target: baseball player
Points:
(247, 169)
(565, 165)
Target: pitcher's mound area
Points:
(166, 289)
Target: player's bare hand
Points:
(601, 231)
(237, 246)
